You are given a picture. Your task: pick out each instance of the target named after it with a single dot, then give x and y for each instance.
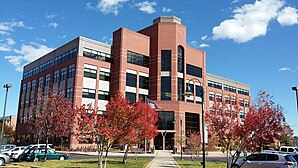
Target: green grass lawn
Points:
(196, 164)
(112, 163)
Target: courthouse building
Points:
(154, 62)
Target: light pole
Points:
(295, 88)
(188, 93)
(181, 139)
(7, 86)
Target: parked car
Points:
(31, 148)
(266, 160)
(3, 159)
(16, 152)
(7, 147)
(37, 154)
(288, 149)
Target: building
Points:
(155, 62)
(11, 121)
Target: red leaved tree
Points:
(194, 143)
(51, 115)
(123, 122)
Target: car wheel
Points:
(2, 161)
(61, 158)
(36, 159)
(235, 166)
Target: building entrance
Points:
(169, 141)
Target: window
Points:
(199, 93)
(131, 80)
(180, 59)
(192, 122)
(241, 103)
(48, 78)
(211, 96)
(104, 76)
(144, 82)
(234, 102)
(103, 95)
(56, 78)
(230, 88)
(193, 70)
(165, 60)
(165, 120)
(137, 59)
(243, 91)
(214, 84)
(24, 88)
(28, 86)
(246, 104)
(69, 93)
(71, 72)
(242, 115)
(142, 97)
(88, 93)
(180, 89)
(97, 55)
(165, 88)
(40, 82)
(218, 98)
(90, 73)
(131, 97)
(227, 100)
(33, 85)
(63, 74)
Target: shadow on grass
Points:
(95, 162)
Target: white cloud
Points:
(62, 36)
(50, 16)
(194, 43)
(10, 41)
(166, 10)
(4, 48)
(107, 6)
(204, 37)
(288, 16)
(204, 45)
(146, 6)
(249, 21)
(284, 69)
(53, 24)
(108, 40)
(41, 39)
(6, 27)
(26, 54)
(235, 1)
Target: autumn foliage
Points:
(263, 124)
(124, 122)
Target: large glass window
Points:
(193, 70)
(71, 72)
(199, 93)
(180, 89)
(33, 85)
(243, 91)
(165, 120)
(137, 59)
(48, 78)
(165, 60)
(97, 55)
(90, 73)
(56, 78)
(104, 76)
(63, 74)
(69, 93)
(88, 93)
(131, 97)
(214, 84)
(180, 59)
(192, 122)
(165, 88)
(144, 82)
(40, 82)
(229, 88)
(131, 80)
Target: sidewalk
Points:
(163, 159)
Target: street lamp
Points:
(295, 88)
(188, 93)
(7, 86)
(181, 147)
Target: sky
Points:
(250, 41)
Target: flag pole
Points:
(145, 138)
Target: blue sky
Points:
(253, 42)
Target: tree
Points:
(194, 143)
(263, 124)
(52, 115)
(9, 133)
(123, 122)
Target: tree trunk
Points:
(125, 155)
(107, 151)
(46, 151)
(227, 158)
(99, 152)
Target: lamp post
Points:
(181, 147)
(7, 86)
(188, 93)
(295, 88)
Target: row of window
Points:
(193, 70)
(230, 88)
(228, 100)
(57, 60)
(30, 86)
(90, 93)
(214, 84)
(137, 59)
(243, 91)
(97, 55)
(92, 73)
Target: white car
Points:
(3, 159)
(15, 153)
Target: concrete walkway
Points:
(163, 159)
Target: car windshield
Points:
(289, 158)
